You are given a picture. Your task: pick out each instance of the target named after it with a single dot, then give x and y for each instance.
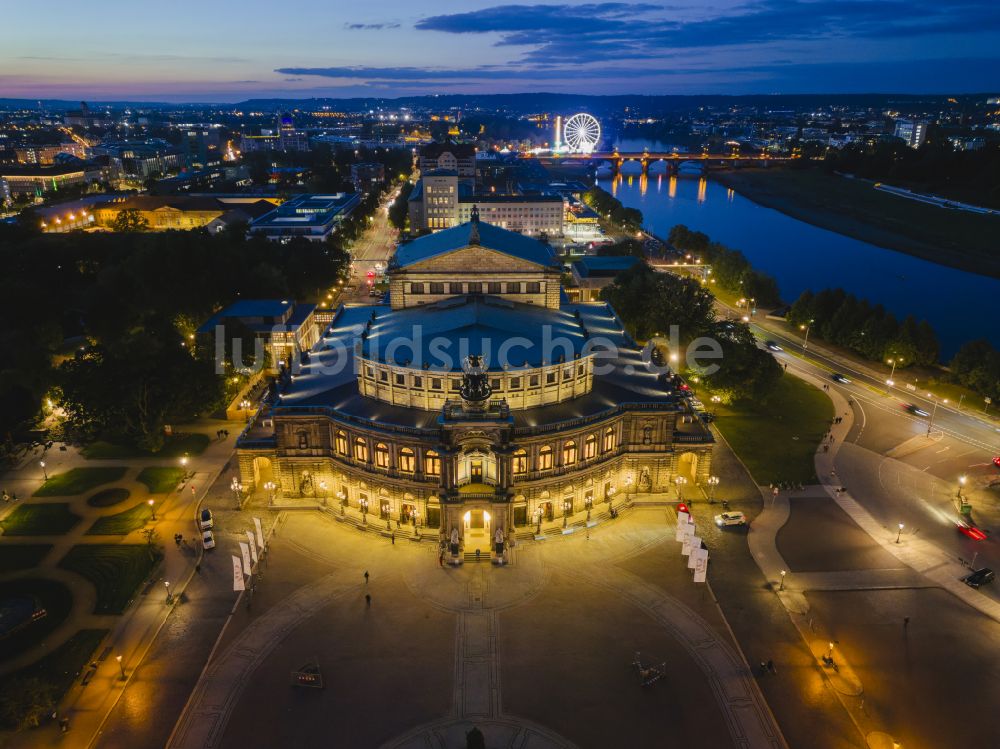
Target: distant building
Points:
(140, 160)
(170, 212)
(592, 274)
(312, 217)
(285, 137)
(913, 132)
(367, 175)
(39, 180)
(45, 155)
(457, 157)
(441, 200)
(285, 327)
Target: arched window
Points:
(407, 460)
(545, 458)
(432, 463)
(303, 438)
(361, 450)
(590, 447)
(609, 439)
(382, 455)
(340, 442)
(519, 462)
(569, 453)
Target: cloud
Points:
(490, 73)
(370, 26)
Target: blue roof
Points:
(490, 236)
(610, 265)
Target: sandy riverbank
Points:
(854, 208)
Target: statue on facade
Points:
(453, 546)
(475, 390)
(307, 485)
(645, 484)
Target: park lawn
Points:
(174, 447)
(79, 480)
(116, 570)
(54, 597)
(161, 479)
(122, 523)
(22, 556)
(777, 441)
(52, 676)
(40, 520)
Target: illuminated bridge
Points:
(673, 159)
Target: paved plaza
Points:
(538, 653)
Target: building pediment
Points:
(474, 260)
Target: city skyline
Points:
(227, 52)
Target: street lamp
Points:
(680, 481)
(713, 481)
(237, 488)
(933, 412)
(961, 483)
(588, 503)
(152, 509)
(628, 484)
(322, 488)
(899, 532)
(806, 327)
(170, 596)
(45, 473)
(269, 487)
(120, 666)
(894, 361)
(782, 586)
(343, 502)
(567, 506)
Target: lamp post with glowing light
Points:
(933, 413)
(237, 488)
(899, 532)
(806, 327)
(782, 586)
(322, 488)
(152, 509)
(713, 481)
(961, 483)
(170, 595)
(45, 473)
(680, 481)
(892, 373)
(121, 668)
(269, 487)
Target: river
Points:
(961, 306)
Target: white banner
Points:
(682, 518)
(246, 558)
(237, 575)
(695, 551)
(260, 534)
(681, 533)
(701, 566)
(253, 546)
(686, 546)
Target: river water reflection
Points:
(961, 306)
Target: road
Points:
(371, 252)
(905, 469)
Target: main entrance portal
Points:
(477, 530)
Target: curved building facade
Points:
(475, 400)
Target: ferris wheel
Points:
(582, 133)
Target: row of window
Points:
(436, 383)
(407, 457)
(475, 287)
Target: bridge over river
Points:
(673, 159)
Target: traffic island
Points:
(837, 670)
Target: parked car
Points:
(205, 520)
(773, 346)
(208, 540)
(967, 529)
(838, 377)
(979, 577)
(707, 416)
(730, 518)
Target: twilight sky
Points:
(224, 50)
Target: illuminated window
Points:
(569, 453)
(407, 460)
(609, 439)
(432, 463)
(545, 458)
(590, 447)
(341, 443)
(519, 462)
(381, 455)
(360, 450)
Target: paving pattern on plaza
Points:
(535, 654)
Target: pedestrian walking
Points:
(906, 622)
(477, 555)
(392, 537)
(441, 559)
(64, 724)
(368, 600)
(366, 577)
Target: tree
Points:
(400, 207)
(745, 371)
(129, 221)
(25, 701)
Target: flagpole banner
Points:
(253, 546)
(246, 558)
(237, 575)
(260, 534)
(701, 566)
(695, 551)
